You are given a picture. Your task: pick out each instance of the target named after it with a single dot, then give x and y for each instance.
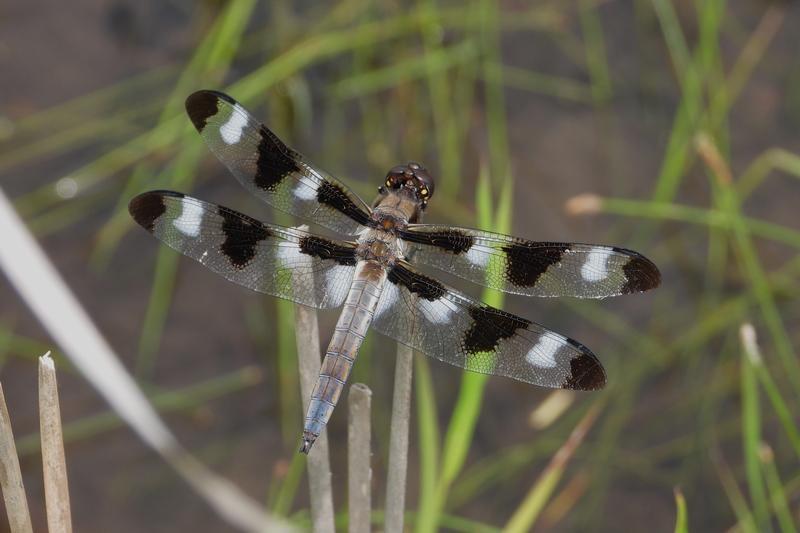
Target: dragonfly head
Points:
(411, 177)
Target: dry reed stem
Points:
(359, 473)
(306, 329)
(54, 462)
(319, 466)
(398, 441)
(19, 517)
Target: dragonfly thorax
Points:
(380, 246)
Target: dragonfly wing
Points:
(283, 262)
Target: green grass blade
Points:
(442, 107)
(747, 335)
(751, 442)
(734, 494)
(436, 63)
(682, 518)
(291, 483)
(749, 259)
(760, 168)
(776, 489)
(596, 59)
(546, 84)
(288, 378)
(589, 204)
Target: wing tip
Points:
(202, 104)
(641, 274)
(147, 207)
(586, 373)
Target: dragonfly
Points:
(373, 273)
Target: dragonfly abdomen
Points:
(354, 321)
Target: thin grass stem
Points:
(734, 494)
(776, 489)
(747, 335)
(751, 441)
(429, 441)
(589, 204)
(748, 257)
(682, 516)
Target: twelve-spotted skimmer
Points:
(373, 274)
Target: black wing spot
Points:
(586, 372)
(526, 261)
(147, 207)
(275, 161)
(242, 235)
(453, 240)
(334, 196)
(203, 104)
(423, 286)
(325, 249)
(641, 274)
(489, 327)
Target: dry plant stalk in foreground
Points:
(54, 462)
(306, 330)
(19, 517)
(359, 473)
(398, 443)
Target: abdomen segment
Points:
(350, 331)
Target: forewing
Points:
(425, 314)
(530, 268)
(283, 262)
(271, 170)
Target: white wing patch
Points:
(288, 253)
(306, 189)
(231, 131)
(544, 352)
(191, 218)
(436, 311)
(478, 255)
(596, 266)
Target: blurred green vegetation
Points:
(691, 416)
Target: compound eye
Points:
(424, 192)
